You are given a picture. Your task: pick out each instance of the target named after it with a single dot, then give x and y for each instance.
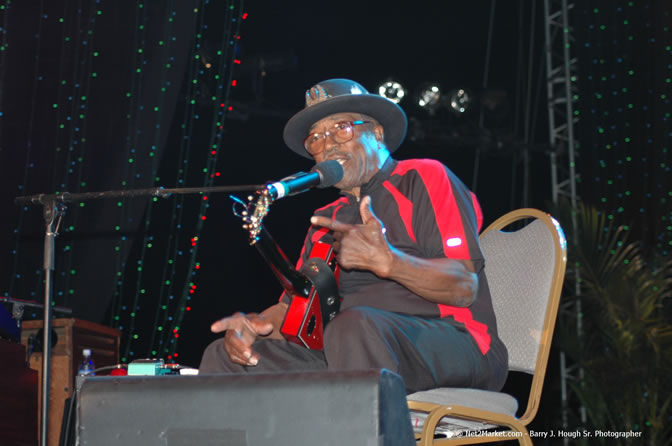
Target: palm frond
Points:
(625, 348)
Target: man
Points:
(415, 297)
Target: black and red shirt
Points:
(428, 213)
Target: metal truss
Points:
(561, 94)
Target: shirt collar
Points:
(376, 181)
(380, 176)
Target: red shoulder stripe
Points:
(405, 208)
(339, 203)
(479, 212)
(320, 232)
(439, 189)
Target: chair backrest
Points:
(525, 269)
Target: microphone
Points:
(324, 174)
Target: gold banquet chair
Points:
(525, 270)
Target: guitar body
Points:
(308, 315)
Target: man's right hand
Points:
(241, 332)
(243, 329)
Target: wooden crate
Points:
(73, 335)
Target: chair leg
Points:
(525, 440)
(438, 412)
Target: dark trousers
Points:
(426, 352)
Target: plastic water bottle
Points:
(86, 367)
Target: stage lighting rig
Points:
(460, 100)
(429, 97)
(392, 90)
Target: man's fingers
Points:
(241, 332)
(243, 360)
(221, 325)
(366, 211)
(261, 326)
(329, 223)
(239, 346)
(321, 221)
(240, 361)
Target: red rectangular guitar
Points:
(313, 289)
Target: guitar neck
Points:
(291, 280)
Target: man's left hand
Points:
(361, 246)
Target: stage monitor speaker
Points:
(312, 408)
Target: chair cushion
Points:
(475, 398)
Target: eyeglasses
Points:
(341, 132)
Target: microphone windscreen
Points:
(331, 172)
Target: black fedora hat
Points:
(345, 96)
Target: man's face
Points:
(361, 157)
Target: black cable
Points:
(528, 109)
(486, 69)
(102, 369)
(65, 426)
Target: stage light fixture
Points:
(392, 90)
(429, 96)
(460, 100)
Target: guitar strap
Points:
(322, 277)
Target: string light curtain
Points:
(625, 81)
(163, 270)
(112, 95)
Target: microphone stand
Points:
(54, 207)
